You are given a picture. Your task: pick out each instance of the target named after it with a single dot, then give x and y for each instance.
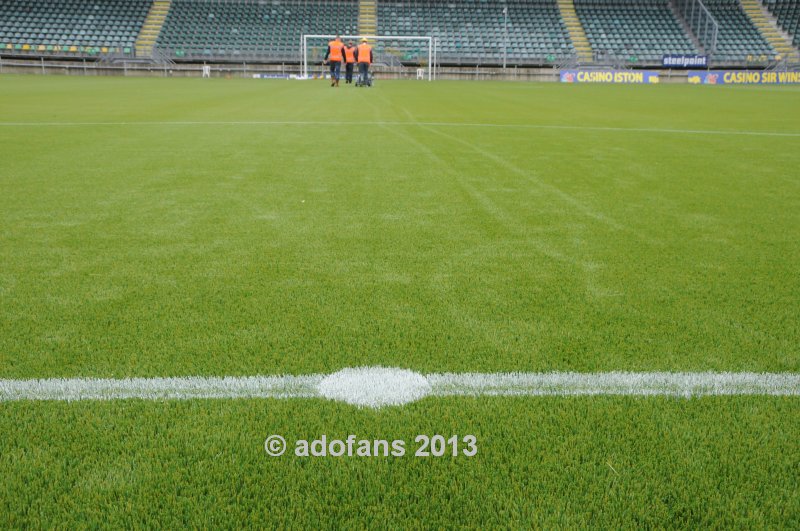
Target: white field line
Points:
(413, 124)
(682, 384)
(180, 388)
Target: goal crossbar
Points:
(432, 46)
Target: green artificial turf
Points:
(187, 233)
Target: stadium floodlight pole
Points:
(430, 40)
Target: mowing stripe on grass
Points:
(378, 386)
(418, 124)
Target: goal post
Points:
(431, 44)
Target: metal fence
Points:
(701, 22)
(251, 70)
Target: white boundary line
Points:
(789, 134)
(677, 384)
(685, 384)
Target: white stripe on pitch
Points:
(180, 388)
(678, 384)
(790, 134)
(685, 384)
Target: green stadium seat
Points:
(48, 26)
(267, 31)
(471, 32)
(738, 39)
(636, 32)
(787, 12)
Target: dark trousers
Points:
(348, 73)
(363, 73)
(336, 68)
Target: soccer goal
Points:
(312, 43)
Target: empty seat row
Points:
(640, 31)
(271, 30)
(486, 30)
(738, 38)
(71, 26)
(787, 12)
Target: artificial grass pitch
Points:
(238, 227)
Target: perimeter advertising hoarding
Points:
(682, 60)
(609, 76)
(742, 77)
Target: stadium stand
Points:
(470, 31)
(224, 29)
(525, 32)
(577, 35)
(71, 26)
(767, 27)
(787, 12)
(474, 31)
(368, 17)
(738, 40)
(152, 26)
(636, 32)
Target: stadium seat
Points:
(270, 31)
(469, 30)
(636, 32)
(474, 31)
(40, 25)
(787, 12)
(739, 40)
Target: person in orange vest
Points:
(364, 59)
(335, 56)
(349, 61)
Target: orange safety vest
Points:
(336, 50)
(350, 54)
(364, 53)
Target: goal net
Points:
(387, 50)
